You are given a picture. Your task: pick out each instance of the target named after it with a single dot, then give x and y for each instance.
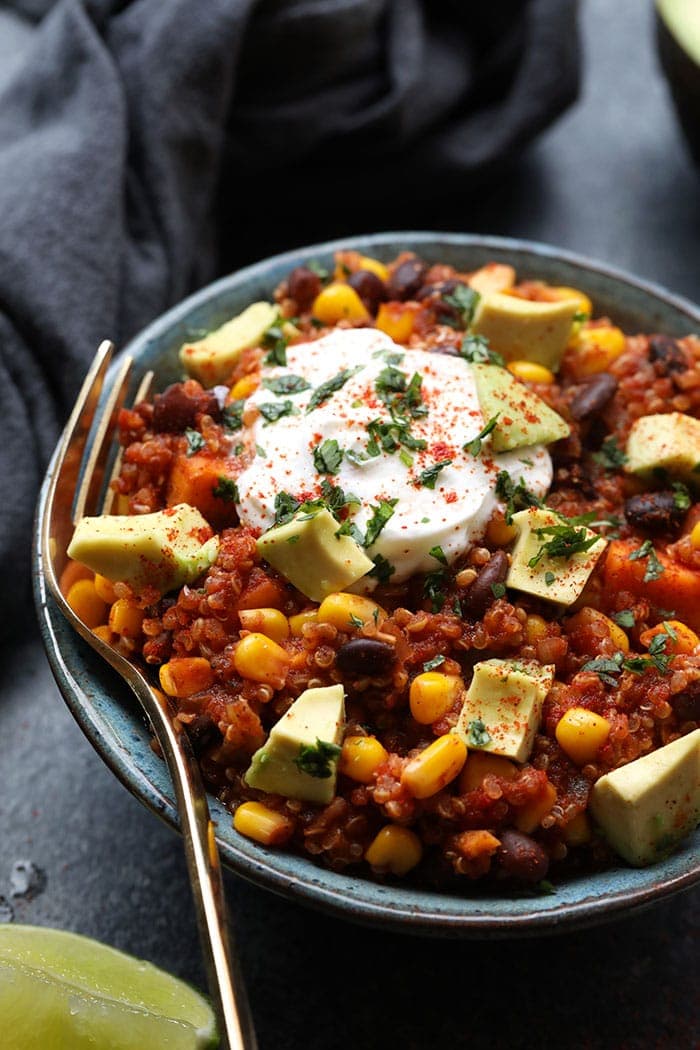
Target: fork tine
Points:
(144, 389)
(87, 496)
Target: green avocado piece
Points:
(523, 330)
(668, 442)
(211, 359)
(557, 579)
(523, 417)
(504, 702)
(310, 554)
(165, 549)
(646, 807)
(300, 757)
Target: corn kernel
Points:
(104, 633)
(685, 640)
(296, 622)
(270, 622)
(617, 635)
(436, 766)
(396, 320)
(578, 831)
(86, 603)
(585, 306)
(374, 266)
(186, 675)
(530, 372)
(245, 386)
(73, 572)
(125, 618)
(535, 628)
(581, 733)
(105, 589)
(394, 849)
(481, 764)
(346, 611)
(360, 758)
(695, 536)
(261, 660)
(499, 533)
(596, 349)
(529, 816)
(432, 695)
(338, 302)
(262, 824)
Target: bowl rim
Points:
(417, 911)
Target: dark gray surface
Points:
(612, 180)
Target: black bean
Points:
(365, 656)
(686, 705)
(593, 396)
(666, 355)
(655, 511)
(480, 594)
(175, 409)
(370, 288)
(406, 279)
(521, 858)
(437, 289)
(303, 286)
(203, 732)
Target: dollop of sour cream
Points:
(444, 495)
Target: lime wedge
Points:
(60, 991)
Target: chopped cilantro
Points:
(276, 342)
(289, 384)
(328, 456)
(195, 441)
(606, 667)
(681, 496)
(549, 578)
(238, 449)
(464, 300)
(610, 455)
(430, 665)
(382, 570)
(285, 508)
(316, 759)
(474, 446)
(434, 586)
(356, 621)
(516, 497)
(391, 435)
(331, 386)
(260, 451)
(380, 516)
(335, 499)
(498, 590)
(476, 350)
(232, 415)
(395, 390)
(316, 267)
(580, 316)
(654, 567)
(478, 734)
(429, 476)
(227, 490)
(566, 541)
(274, 410)
(439, 554)
(624, 618)
(405, 457)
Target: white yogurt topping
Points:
(452, 515)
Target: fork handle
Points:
(204, 866)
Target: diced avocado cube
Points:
(523, 417)
(668, 442)
(503, 706)
(211, 359)
(310, 554)
(165, 549)
(300, 758)
(558, 579)
(646, 807)
(522, 330)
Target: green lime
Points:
(60, 991)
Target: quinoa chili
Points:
(416, 796)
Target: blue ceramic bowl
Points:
(109, 717)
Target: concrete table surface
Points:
(612, 180)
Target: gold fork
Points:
(77, 478)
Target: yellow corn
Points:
(270, 622)
(360, 758)
(245, 386)
(578, 831)
(104, 633)
(86, 603)
(262, 824)
(374, 266)
(617, 635)
(396, 319)
(394, 849)
(261, 660)
(530, 372)
(596, 349)
(529, 816)
(585, 306)
(296, 622)
(685, 640)
(436, 766)
(73, 572)
(432, 695)
(338, 302)
(481, 764)
(581, 733)
(499, 533)
(347, 611)
(186, 675)
(535, 628)
(105, 588)
(125, 618)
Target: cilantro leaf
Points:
(232, 415)
(476, 350)
(288, 384)
(610, 455)
(681, 496)
(566, 541)
(654, 567)
(624, 618)
(436, 661)
(383, 569)
(606, 667)
(316, 267)
(331, 386)
(439, 554)
(276, 342)
(434, 588)
(380, 516)
(226, 489)
(195, 441)
(274, 410)
(478, 734)
(328, 456)
(474, 446)
(464, 300)
(429, 476)
(316, 759)
(516, 497)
